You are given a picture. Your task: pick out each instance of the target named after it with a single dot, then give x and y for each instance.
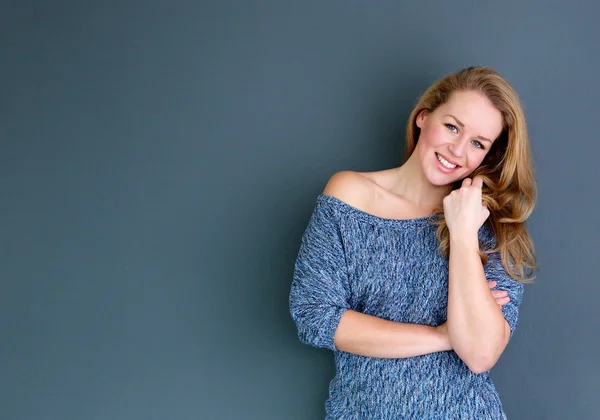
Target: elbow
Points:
(316, 325)
(480, 364)
(308, 332)
(479, 360)
(478, 356)
(314, 336)
(481, 354)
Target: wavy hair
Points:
(509, 190)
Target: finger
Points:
(486, 211)
(499, 294)
(492, 283)
(477, 182)
(502, 301)
(466, 182)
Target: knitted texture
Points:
(388, 268)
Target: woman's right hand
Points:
(501, 296)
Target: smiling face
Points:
(455, 137)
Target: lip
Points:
(442, 167)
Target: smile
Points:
(445, 163)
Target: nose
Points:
(457, 148)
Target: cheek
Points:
(475, 162)
(436, 135)
(479, 157)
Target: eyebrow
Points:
(462, 125)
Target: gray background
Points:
(160, 161)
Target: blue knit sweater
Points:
(350, 259)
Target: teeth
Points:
(445, 162)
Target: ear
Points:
(421, 118)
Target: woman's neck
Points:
(411, 184)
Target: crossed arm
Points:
(368, 335)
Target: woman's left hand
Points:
(464, 210)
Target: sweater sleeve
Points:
(319, 293)
(494, 270)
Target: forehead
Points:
(475, 111)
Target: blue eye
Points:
(480, 145)
(452, 128)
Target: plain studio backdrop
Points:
(160, 161)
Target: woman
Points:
(413, 276)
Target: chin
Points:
(444, 181)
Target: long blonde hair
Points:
(510, 190)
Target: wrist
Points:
(443, 337)
(465, 240)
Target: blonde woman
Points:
(413, 276)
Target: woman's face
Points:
(456, 136)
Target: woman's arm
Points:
(367, 335)
(476, 327)
(320, 301)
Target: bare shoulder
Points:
(354, 188)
